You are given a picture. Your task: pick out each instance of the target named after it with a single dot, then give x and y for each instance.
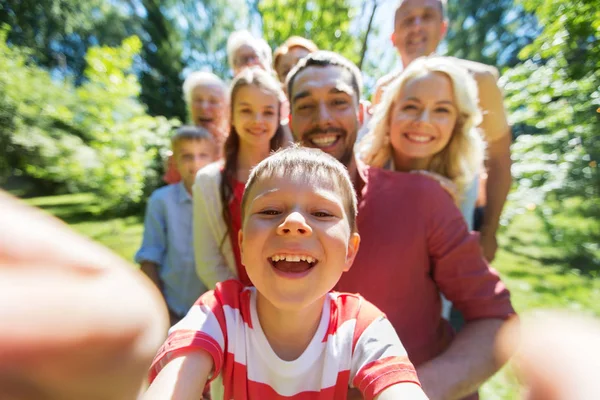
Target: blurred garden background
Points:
(90, 91)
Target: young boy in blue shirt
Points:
(167, 255)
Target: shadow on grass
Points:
(567, 259)
(83, 208)
(583, 261)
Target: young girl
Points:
(255, 132)
(427, 122)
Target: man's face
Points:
(288, 60)
(418, 28)
(246, 56)
(325, 110)
(208, 107)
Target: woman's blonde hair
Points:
(461, 158)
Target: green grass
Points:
(540, 271)
(121, 234)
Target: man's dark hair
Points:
(324, 58)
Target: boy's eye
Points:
(409, 107)
(269, 212)
(322, 214)
(442, 110)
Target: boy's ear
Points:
(240, 240)
(353, 245)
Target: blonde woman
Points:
(426, 122)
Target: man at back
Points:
(415, 242)
(419, 26)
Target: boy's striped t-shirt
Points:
(354, 346)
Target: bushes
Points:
(94, 137)
(554, 101)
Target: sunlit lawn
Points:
(539, 273)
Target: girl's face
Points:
(423, 117)
(255, 115)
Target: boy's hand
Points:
(557, 355)
(77, 322)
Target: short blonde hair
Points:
(191, 133)
(462, 157)
(308, 165)
(197, 78)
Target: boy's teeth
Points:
(292, 258)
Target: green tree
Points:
(162, 54)
(489, 31)
(59, 32)
(205, 27)
(554, 99)
(325, 22)
(93, 137)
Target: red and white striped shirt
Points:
(354, 346)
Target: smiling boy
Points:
(166, 255)
(289, 336)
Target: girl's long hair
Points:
(462, 157)
(264, 81)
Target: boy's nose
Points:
(294, 224)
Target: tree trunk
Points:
(363, 50)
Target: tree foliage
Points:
(162, 53)
(59, 32)
(93, 137)
(205, 27)
(554, 99)
(489, 31)
(325, 22)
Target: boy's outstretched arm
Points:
(183, 378)
(404, 390)
(77, 321)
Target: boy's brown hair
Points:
(188, 132)
(308, 165)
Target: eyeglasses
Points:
(246, 59)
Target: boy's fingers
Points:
(557, 355)
(54, 311)
(28, 235)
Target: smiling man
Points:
(414, 242)
(419, 27)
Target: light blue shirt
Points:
(467, 206)
(168, 242)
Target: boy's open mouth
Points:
(295, 263)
